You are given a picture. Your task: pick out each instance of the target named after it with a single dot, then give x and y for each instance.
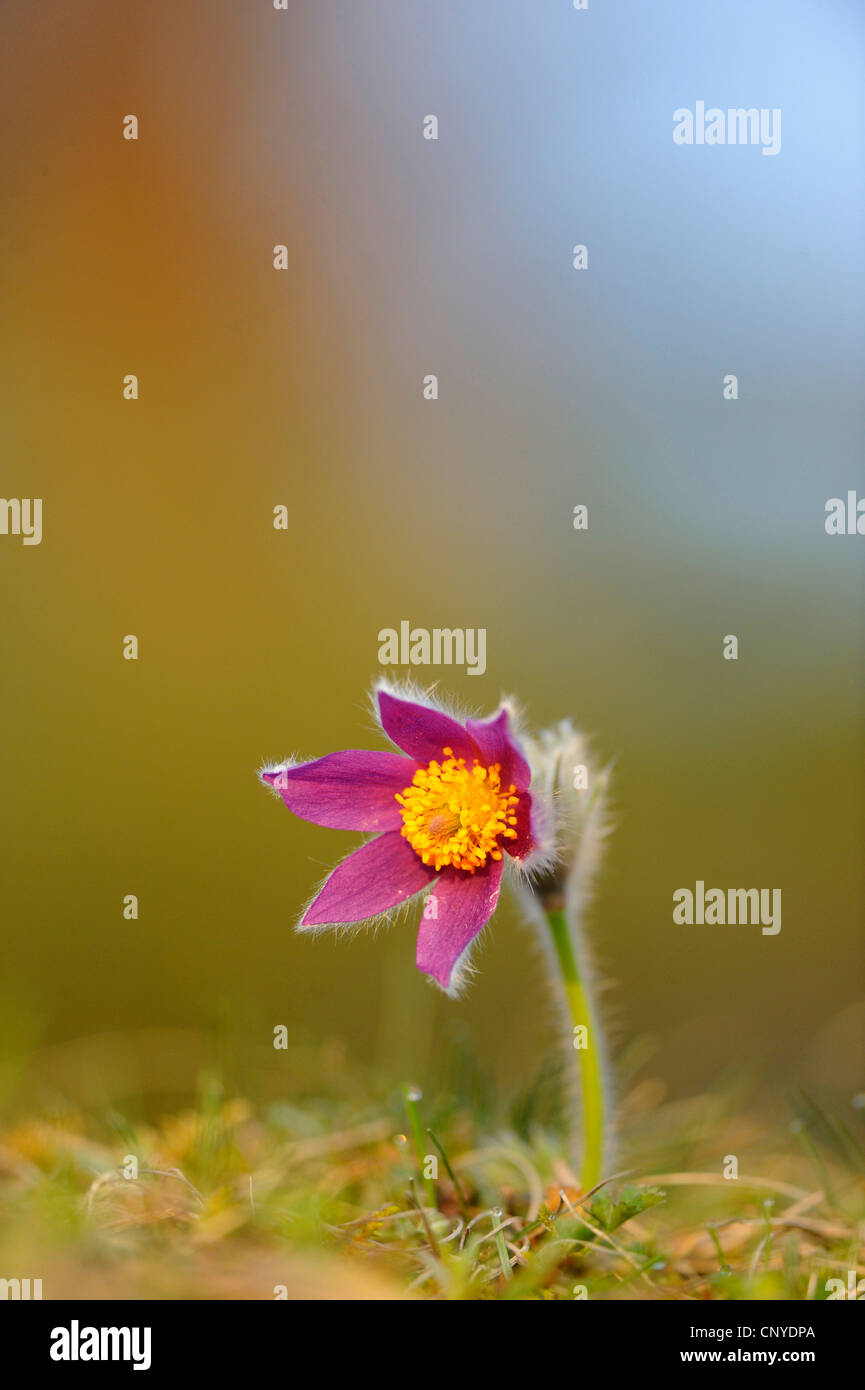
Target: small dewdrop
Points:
(455, 815)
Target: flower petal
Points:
(422, 732)
(526, 842)
(352, 790)
(493, 738)
(464, 904)
(379, 875)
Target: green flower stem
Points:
(590, 1060)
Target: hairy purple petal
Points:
(422, 732)
(527, 841)
(464, 904)
(493, 738)
(378, 876)
(352, 790)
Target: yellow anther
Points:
(454, 815)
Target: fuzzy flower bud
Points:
(570, 783)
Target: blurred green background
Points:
(304, 388)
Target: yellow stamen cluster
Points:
(455, 815)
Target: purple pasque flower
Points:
(444, 811)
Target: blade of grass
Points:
(464, 1206)
(411, 1095)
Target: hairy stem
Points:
(582, 1016)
